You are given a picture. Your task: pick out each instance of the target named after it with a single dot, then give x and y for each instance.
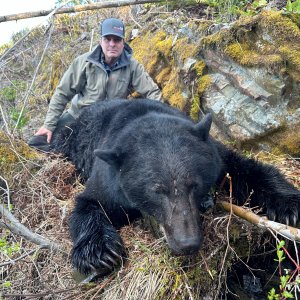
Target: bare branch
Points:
(288, 232)
(33, 79)
(4, 120)
(18, 228)
(76, 8)
(6, 191)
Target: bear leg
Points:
(97, 246)
(263, 184)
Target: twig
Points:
(133, 19)
(14, 46)
(206, 266)
(227, 231)
(33, 79)
(16, 227)
(92, 39)
(4, 120)
(13, 261)
(97, 288)
(6, 192)
(286, 251)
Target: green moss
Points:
(199, 67)
(164, 47)
(203, 26)
(291, 55)
(216, 40)
(236, 51)
(185, 49)
(5, 47)
(244, 55)
(56, 72)
(163, 76)
(287, 141)
(151, 50)
(172, 91)
(12, 152)
(156, 53)
(269, 39)
(280, 27)
(295, 18)
(195, 108)
(203, 84)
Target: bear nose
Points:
(188, 245)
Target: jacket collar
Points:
(124, 60)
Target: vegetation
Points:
(289, 279)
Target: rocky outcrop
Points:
(246, 102)
(247, 74)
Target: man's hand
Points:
(45, 131)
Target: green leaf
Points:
(6, 284)
(288, 6)
(284, 280)
(280, 244)
(296, 6)
(288, 295)
(272, 295)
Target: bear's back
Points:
(101, 125)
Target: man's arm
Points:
(143, 83)
(72, 82)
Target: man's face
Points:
(112, 47)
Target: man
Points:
(108, 72)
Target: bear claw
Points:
(286, 216)
(110, 259)
(102, 262)
(115, 253)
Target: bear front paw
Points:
(100, 253)
(286, 214)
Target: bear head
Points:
(166, 167)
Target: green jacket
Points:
(87, 81)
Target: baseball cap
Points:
(113, 26)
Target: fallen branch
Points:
(288, 232)
(76, 8)
(18, 228)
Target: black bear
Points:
(145, 157)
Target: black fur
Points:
(143, 156)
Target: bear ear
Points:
(202, 128)
(113, 158)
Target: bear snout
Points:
(186, 246)
(182, 243)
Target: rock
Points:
(242, 107)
